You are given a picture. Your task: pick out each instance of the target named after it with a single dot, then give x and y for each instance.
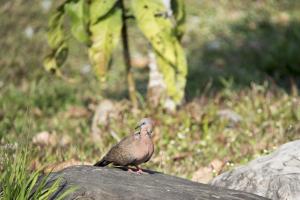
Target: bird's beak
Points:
(138, 126)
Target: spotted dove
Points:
(132, 150)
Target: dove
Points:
(133, 150)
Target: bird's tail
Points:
(102, 163)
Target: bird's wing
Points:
(121, 153)
(148, 158)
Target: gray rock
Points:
(105, 111)
(230, 115)
(275, 176)
(115, 183)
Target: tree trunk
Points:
(126, 55)
(156, 91)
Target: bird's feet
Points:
(138, 171)
(130, 170)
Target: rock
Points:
(230, 115)
(104, 112)
(62, 165)
(45, 138)
(275, 176)
(203, 175)
(116, 183)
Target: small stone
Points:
(105, 111)
(203, 175)
(44, 138)
(230, 115)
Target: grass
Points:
(185, 140)
(19, 184)
(244, 40)
(234, 66)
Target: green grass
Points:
(269, 117)
(244, 40)
(19, 184)
(234, 52)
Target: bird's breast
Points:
(149, 148)
(144, 150)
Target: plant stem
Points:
(126, 55)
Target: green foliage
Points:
(79, 16)
(99, 9)
(57, 42)
(18, 184)
(160, 32)
(99, 23)
(179, 13)
(105, 31)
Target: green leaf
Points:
(78, 11)
(57, 42)
(55, 29)
(178, 9)
(160, 32)
(104, 37)
(100, 8)
(55, 59)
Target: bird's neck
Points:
(145, 133)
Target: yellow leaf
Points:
(104, 37)
(100, 8)
(151, 19)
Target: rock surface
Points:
(275, 176)
(114, 183)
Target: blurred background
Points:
(241, 95)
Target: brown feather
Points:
(132, 150)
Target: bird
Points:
(132, 150)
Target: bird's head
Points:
(146, 124)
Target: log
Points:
(117, 183)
